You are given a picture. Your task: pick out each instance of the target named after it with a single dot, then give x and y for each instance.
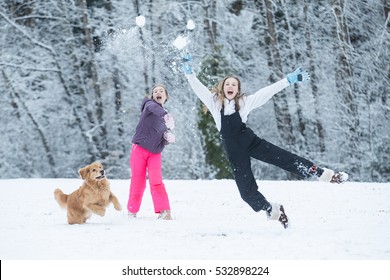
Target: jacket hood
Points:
(144, 103)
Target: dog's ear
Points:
(83, 172)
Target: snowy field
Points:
(350, 221)
(211, 222)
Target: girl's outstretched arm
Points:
(201, 91)
(207, 97)
(261, 96)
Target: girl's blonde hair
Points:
(220, 95)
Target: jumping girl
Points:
(230, 109)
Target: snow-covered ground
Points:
(211, 222)
(350, 221)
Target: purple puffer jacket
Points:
(150, 129)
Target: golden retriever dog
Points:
(93, 196)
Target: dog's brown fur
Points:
(93, 196)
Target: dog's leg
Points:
(115, 201)
(97, 209)
(77, 216)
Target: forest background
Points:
(73, 74)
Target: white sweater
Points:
(247, 103)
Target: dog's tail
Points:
(61, 198)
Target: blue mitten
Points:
(186, 63)
(298, 76)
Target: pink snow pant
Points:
(140, 160)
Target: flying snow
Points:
(190, 24)
(180, 42)
(140, 21)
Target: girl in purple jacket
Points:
(152, 134)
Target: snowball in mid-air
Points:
(190, 24)
(140, 21)
(180, 42)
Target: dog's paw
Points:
(101, 212)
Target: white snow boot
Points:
(333, 177)
(339, 177)
(165, 215)
(132, 215)
(277, 213)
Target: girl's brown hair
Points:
(160, 85)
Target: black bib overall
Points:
(240, 144)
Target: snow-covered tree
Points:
(74, 72)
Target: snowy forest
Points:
(73, 74)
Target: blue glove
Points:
(298, 76)
(186, 63)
